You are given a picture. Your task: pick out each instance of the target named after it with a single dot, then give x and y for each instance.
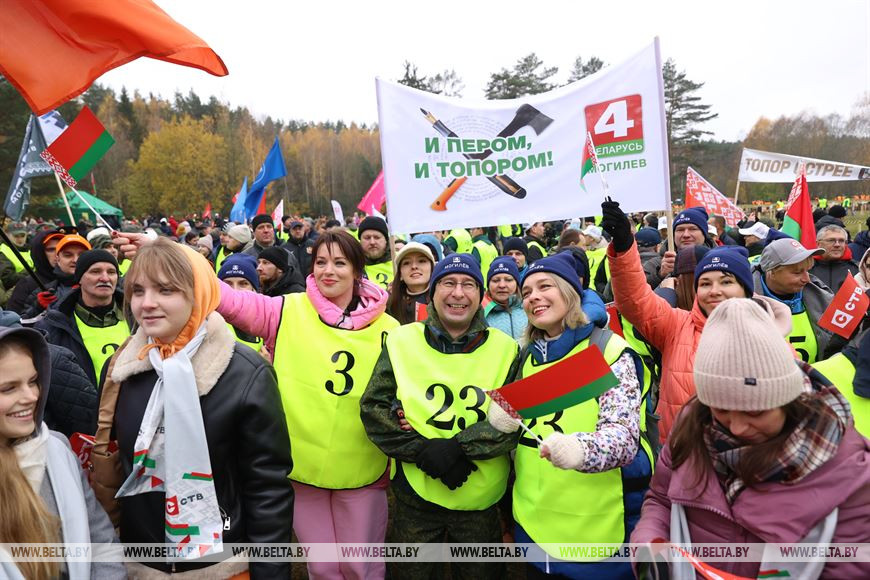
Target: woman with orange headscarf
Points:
(203, 452)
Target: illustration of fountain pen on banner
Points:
(503, 182)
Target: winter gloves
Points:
(46, 298)
(444, 459)
(564, 450)
(616, 223)
(500, 420)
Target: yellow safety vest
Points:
(322, 373)
(124, 266)
(380, 274)
(463, 240)
(443, 394)
(510, 230)
(257, 344)
(596, 258)
(488, 253)
(802, 337)
(839, 370)
(541, 248)
(7, 251)
(556, 505)
(101, 343)
(222, 254)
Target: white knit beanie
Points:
(743, 363)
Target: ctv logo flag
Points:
(459, 163)
(846, 310)
(699, 193)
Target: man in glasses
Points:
(837, 261)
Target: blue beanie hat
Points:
(697, 216)
(730, 259)
(518, 244)
(240, 266)
(503, 265)
(648, 237)
(563, 265)
(456, 264)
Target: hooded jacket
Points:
(248, 446)
(291, 280)
(674, 332)
(511, 320)
(64, 488)
(19, 301)
(768, 512)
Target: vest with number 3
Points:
(442, 394)
(322, 373)
(556, 505)
(381, 274)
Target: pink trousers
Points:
(348, 515)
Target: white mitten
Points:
(500, 420)
(564, 450)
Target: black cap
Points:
(373, 223)
(91, 257)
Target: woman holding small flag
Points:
(719, 275)
(767, 452)
(204, 453)
(585, 483)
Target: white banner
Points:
(463, 163)
(336, 210)
(766, 167)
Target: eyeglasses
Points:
(834, 241)
(451, 285)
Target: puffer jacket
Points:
(757, 515)
(833, 272)
(72, 402)
(247, 440)
(511, 320)
(674, 332)
(860, 244)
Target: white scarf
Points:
(31, 457)
(171, 455)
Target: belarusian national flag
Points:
(569, 382)
(798, 222)
(75, 152)
(590, 159)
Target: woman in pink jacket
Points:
(766, 453)
(720, 274)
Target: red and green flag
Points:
(590, 159)
(181, 529)
(573, 380)
(798, 222)
(75, 152)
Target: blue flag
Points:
(273, 168)
(237, 214)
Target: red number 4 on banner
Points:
(616, 121)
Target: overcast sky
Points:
(317, 61)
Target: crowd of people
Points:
(328, 382)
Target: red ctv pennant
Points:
(571, 381)
(75, 152)
(699, 193)
(847, 309)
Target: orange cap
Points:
(71, 239)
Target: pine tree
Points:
(584, 69)
(528, 77)
(446, 83)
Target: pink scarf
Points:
(372, 303)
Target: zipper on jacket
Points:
(709, 509)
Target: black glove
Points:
(438, 456)
(616, 223)
(458, 474)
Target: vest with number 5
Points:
(322, 373)
(556, 505)
(442, 394)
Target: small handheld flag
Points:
(798, 222)
(846, 310)
(590, 163)
(75, 152)
(571, 381)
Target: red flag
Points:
(53, 50)
(374, 197)
(421, 313)
(847, 309)
(206, 213)
(699, 193)
(613, 320)
(798, 222)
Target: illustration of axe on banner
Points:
(526, 116)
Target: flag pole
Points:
(529, 431)
(22, 261)
(72, 221)
(96, 213)
(736, 191)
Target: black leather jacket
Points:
(249, 449)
